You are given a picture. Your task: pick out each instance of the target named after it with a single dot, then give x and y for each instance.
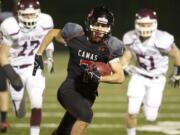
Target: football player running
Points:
(21, 39)
(6, 73)
(86, 46)
(7, 70)
(4, 95)
(150, 47)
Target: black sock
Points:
(3, 116)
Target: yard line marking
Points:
(103, 115)
(166, 127)
(110, 106)
(54, 125)
(119, 99)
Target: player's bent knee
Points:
(17, 97)
(59, 96)
(36, 101)
(86, 116)
(133, 111)
(17, 84)
(132, 116)
(151, 117)
(36, 104)
(151, 113)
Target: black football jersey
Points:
(82, 50)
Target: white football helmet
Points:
(28, 12)
(145, 22)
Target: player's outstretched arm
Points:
(126, 58)
(117, 75)
(4, 54)
(175, 54)
(12, 76)
(52, 34)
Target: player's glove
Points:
(90, 72)
(13, 77)
(38, 63)
(128, 70)
(50, 65)
(175, 78)
(94, 74)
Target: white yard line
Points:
(119, 99)
(54, 125)
(102, 115)
(109, 106)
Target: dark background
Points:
(64, 11)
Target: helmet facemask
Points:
(100, 29)
(28, 17)
(146, 23)
(28, 13)
(99, 23)
(145, 28)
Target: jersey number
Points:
(146, 62)
(86, 64)
(32, 44)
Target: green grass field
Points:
(109, 109)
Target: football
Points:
(103, 68)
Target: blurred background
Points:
(64, 11)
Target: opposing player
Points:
(78, 92)
(6, 73)
(4, 95)
(22, 37)
(150, 47)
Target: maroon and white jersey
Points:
(25, 42)
(151, 54)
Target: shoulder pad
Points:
(10, 26)
(163, 40)
(115, 46)
(71, 30)
(129, 37)
(45, 21)
(4, 15)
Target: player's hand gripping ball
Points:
(103, 68)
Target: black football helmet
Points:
(145, 22)
(98, 23)
(28, 12)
